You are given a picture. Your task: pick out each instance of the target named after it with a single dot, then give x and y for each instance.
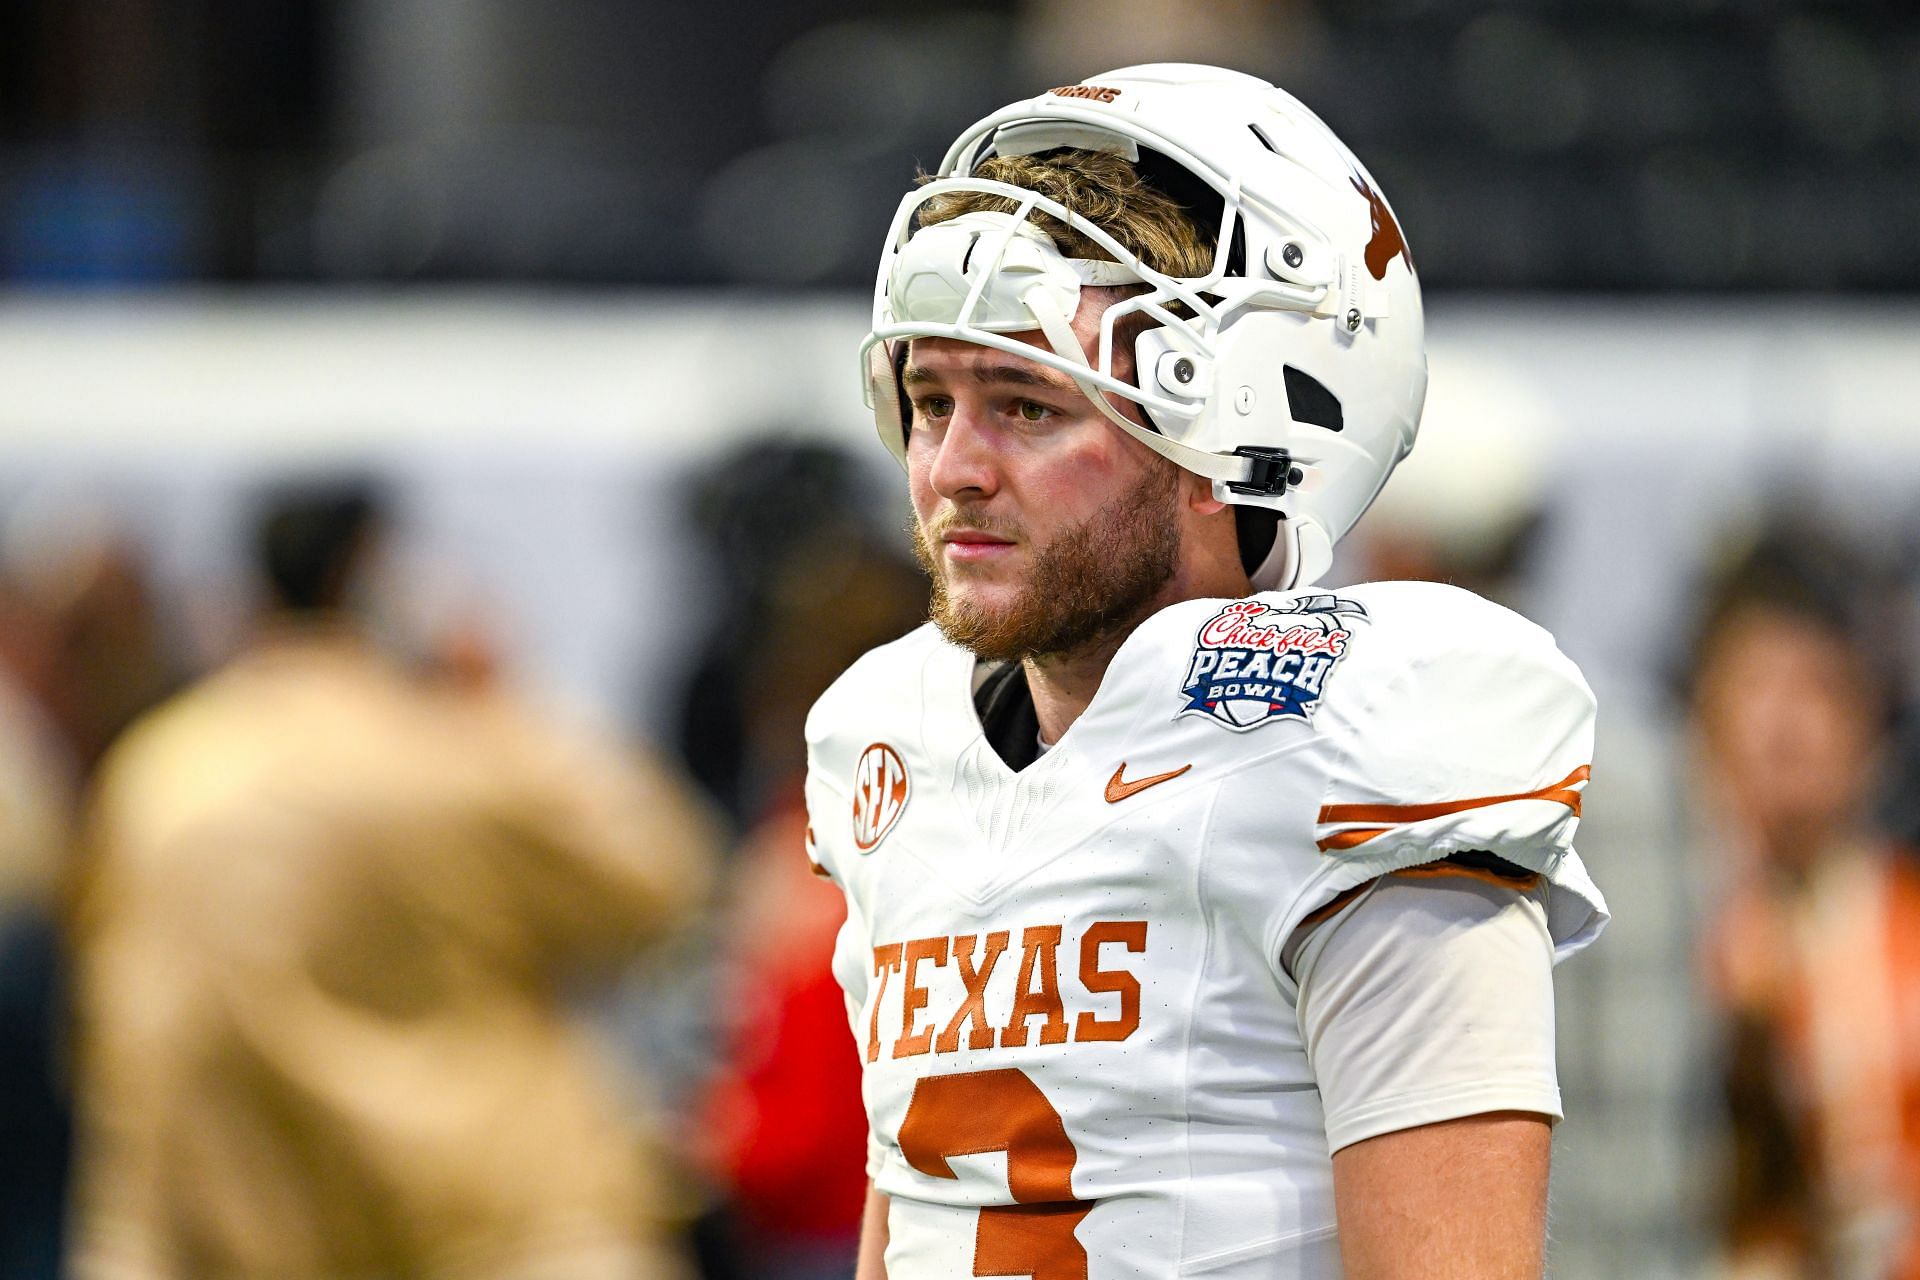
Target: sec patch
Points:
(879, 795)
(1253, 662)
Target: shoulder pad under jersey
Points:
(1457, 726)
(848, 748)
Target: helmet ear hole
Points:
(1309, 401)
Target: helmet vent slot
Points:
(1265, 141)
(1309, 401)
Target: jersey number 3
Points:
(1003, 1110)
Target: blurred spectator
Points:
(327, 908)
(789, 528)
(1066, 40)
(783, 1122)
(1815, 949)
(36, 813)
(96, 657)
(37, 768)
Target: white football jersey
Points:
(1082, 1058)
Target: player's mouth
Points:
(971, 546)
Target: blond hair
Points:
(1099, 186)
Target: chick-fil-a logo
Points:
(1253, 663)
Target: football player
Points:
(1200, 921)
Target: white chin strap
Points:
(981, 276)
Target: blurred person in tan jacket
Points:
(328, 912)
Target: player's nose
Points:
(966, 464)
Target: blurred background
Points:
(570, 292)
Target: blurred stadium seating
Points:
(1554, 144)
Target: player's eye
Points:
(1032, 411)
(934, 406)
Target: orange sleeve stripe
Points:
(1348, 839)
(1562, 791)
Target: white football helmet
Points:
(1295, 379)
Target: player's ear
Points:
(1197, 490)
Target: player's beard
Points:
(1094, 579)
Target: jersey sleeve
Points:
(1426, 1001)
(1462, 733)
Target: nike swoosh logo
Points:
(1118, 788)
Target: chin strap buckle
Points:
(1269, 472)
